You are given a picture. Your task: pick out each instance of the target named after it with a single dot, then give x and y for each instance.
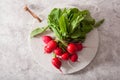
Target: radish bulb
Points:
(79, 46)
(52, 44)
(58, 51)
(57, 63)
(65, 56)
(74, 57)
(46, 39)
(71, 48)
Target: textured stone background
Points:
(16, 60)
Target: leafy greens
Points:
(70, 25)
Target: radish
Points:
(46, 39)
(52, 44)
(71, 48)
(65, 56)
(58, 51)
(57, 63)
(79, 46)
(74, 57)
(47, 49)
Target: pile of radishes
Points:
(69, 53)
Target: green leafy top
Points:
(70, 24)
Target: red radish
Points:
(52, 44)
(71, 48)
(46, 39)
(56, 63)
(65, 56)
(74, 57)
(79, 46)
(47, 49)
(58, 51)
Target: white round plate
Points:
(85, 56)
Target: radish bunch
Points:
(70, 27)
(68, 52)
